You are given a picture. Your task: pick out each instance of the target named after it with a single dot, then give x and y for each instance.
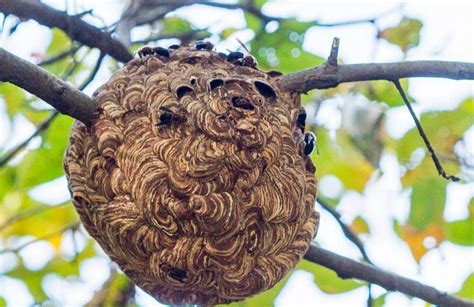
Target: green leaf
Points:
(467, 289)
(282, 50)
(379, 301)
(428, 198)
(327, 280)
(227, 32)
(444, 130)
(266, 298)
(406, 34)
(60, 42)
(253, 22)
(340, 158)
(45, 163)
(14, 97)
(460, 232)
(176, 25)
(383, 91)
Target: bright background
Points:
(373, 210)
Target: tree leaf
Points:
(266, 298)
(383, 91)
(176, 25)
(406, 34)
(428, 198)
(467, 289)
(327, 280)
(340, 158)
(460, 232)
(359, 225)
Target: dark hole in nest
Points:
(265, 89)
(242, 103)
(192, 80)
(183, 90)
(216, 83)
(177, 274)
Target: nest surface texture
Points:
(193, 179)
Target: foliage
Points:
(280, 48)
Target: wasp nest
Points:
(194, 176)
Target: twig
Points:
(348, 268)
(42, 127)
(332, 59)
(60, 56)
(28, 213)
(20, 247)
(435, 159)
(198, 34)
(349, 234)
(59, 94)
(324, 76)
(74, 26)
(93, 72)
(45, 124)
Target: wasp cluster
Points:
(194, 177)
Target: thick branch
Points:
(59, 94)
(348, 268)
(74, 26)
(328, 76)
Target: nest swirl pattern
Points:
(193, 177)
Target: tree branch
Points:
(328, 76)
(74, 26)
(348, 268)
(422, 133)
(59, 94)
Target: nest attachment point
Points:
(194, 177)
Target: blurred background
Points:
(374, 172)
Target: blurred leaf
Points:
(253, 22)
(227, 32)
(359, 225)
(327, 280)
(45, 163)
(443, 129)
(14, 98)
(416, 238)
(172, 25)
(467, 289)
(60, 42)
(266, 298)
(42, 223)
(460, 232)
(340, 158)
(406, 34)
(379, 301)
(282, 49)
(428, 198)
(383, 91)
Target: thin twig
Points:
(42, 127)
(74, 26)
(332, 59)
(20, 247)
(348, 268)
(60, 56)
(45, 124)
(430, 148)
(28, 213)
(349, 234)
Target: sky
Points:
(447, 34)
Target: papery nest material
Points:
(194, 178)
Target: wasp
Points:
(309, 143)
(204, 45)
(248, 60)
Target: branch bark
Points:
(74, 26)
(328, 76)
(39, 82)
(348, 268)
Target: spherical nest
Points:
(194, 177)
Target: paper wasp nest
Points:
(194, 176)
